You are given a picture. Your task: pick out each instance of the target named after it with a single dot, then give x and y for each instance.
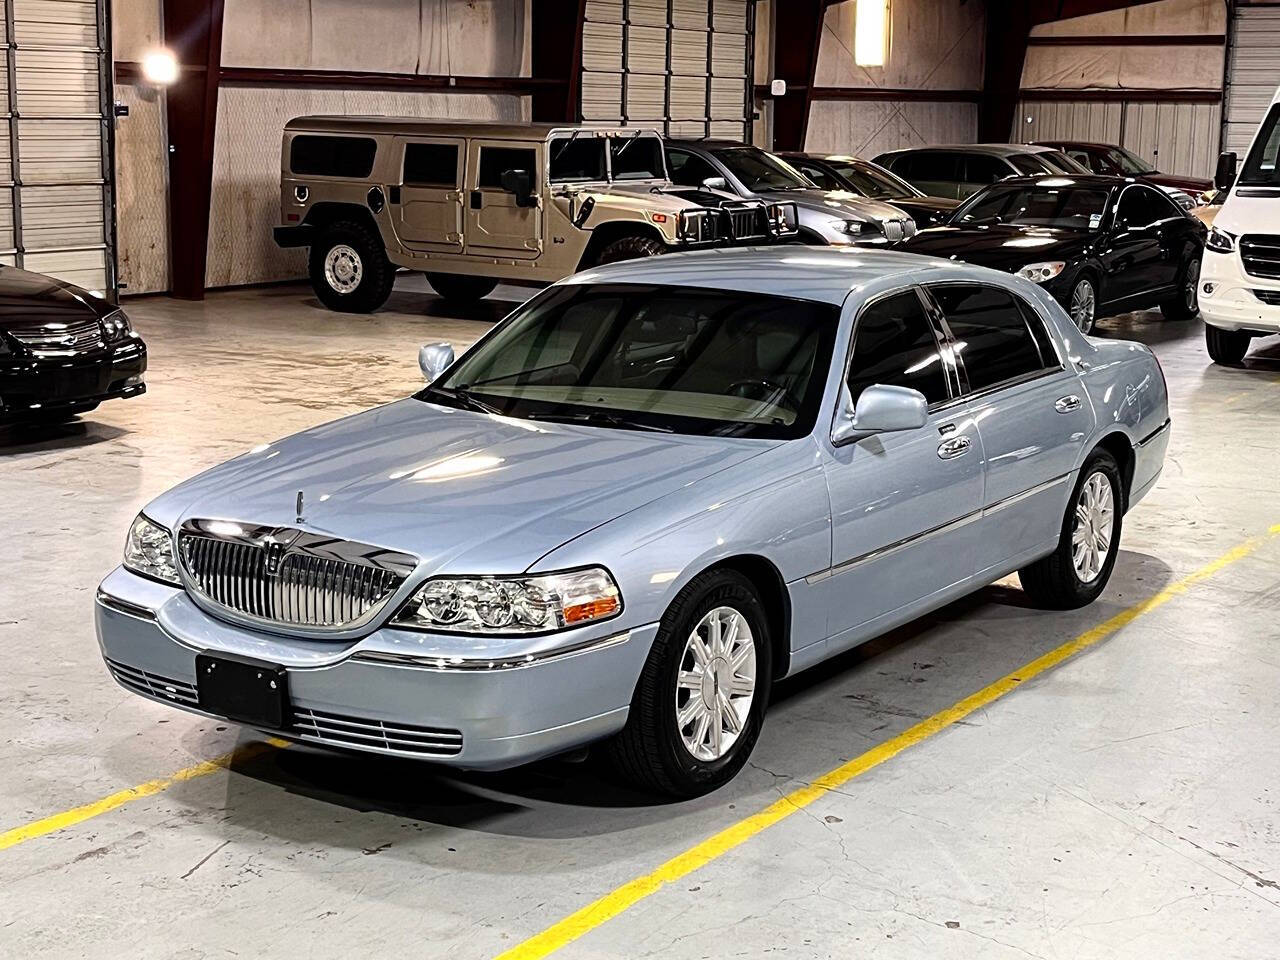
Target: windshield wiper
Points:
(599, 417)
(467, 399)
(629, 141)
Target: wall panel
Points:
(142, 191)
(866, 128)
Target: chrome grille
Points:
(274, 575)
(367, 734)
(153, 685)
(61, 336)
(748, 223)
(1260, 253)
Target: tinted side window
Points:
(494, 161)
(1141, 206)
(894, 344)
(991, 334)
(984, 169)
(928, 165)
(332, 156)
(431, 164)
(1029, 164)
(819, 176)
(689, 170)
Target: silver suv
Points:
(472, 204)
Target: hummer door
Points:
(500, 222)
(427, 205)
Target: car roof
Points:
(463, 128)
(824, 157)
(1083, 144)
(822, 274)
(706, 144)
(990, 149)
(1071, 180)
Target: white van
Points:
(1240, 273)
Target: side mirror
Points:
(881, 409)
(435, 359)
(716, 183)
(520, 184)
(1224, 177)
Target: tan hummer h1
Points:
(472, 204)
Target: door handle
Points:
(1067, 404)
(477, 199)
(955, 447)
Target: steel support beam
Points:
(797, 34)
(556, 43)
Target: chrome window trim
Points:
(929, 534)
(455, 664)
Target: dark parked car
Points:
(961, 170)
(62, 349)
(1099, 245)
(866, 179)
(1110, 159)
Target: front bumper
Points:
(40, 384)
(372, 694)
(1231, 300)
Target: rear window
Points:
(992, 337)
(431, 164)
(322, 156)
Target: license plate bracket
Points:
(251, 691)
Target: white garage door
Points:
(1253, 73)
(681, 66)
(55, 203)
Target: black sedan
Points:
(1099, 245)
(870, 180)
(62, 350)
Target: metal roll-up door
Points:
(56, 201)
(680, 66)
(1253, 73)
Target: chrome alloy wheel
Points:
(716, 683)
(1190, 290)
(1084, 303)
(343, 268)
(1095, 525)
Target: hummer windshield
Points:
(646, 357)
(581, 157)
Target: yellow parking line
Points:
(69, 818)
(611, 904)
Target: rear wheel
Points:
(631, 248)
(1227, 347)
(461, 288)
(1083, 304)
(349, 269)
(700, 702)
(1186, 304)
(1078, 570)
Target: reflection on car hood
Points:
(29, 301)
(1003, 246)
(837, 203)
(463, 491)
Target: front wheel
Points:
(1226, 347)
(349, 269)
(1186, 303)
(631, 248)
(461, 289)
(1083, 304)
(698, 708)
(1078, 570)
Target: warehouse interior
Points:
(986, 780)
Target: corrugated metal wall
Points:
(680, 66)
(1253, 73)
(55, 216)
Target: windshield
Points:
(581, 158)
(1063, 163)
(1038, 205)
(1261, 167)
(1124, 161)
(643, 357)
(872, 181)
(762, 171)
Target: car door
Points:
(496, 223)
(1031, 412)
(1137, 258)
(903, 504)
(426, 205)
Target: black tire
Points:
(1084, 319)
(650, 751)
(1227, 347)
(376, 274)
(1186, 305)
(1053, 582)
(459, 288)
(631, 248)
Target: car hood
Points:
(465, 492)
(30, 301)
(1002, 246)
(836, 203)
(926, 208)
(1192, 185)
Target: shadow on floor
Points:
(18, 438)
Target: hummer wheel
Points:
(349, 269)
(631, 248)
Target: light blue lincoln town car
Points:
(650, 492)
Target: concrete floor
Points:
(1126, 804)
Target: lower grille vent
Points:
(153, 685)
(342, 731)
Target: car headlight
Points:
(538, 603)
(1220, 241)
(149, 551)
(853, 227)
(116, 327)
(1041, 272)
